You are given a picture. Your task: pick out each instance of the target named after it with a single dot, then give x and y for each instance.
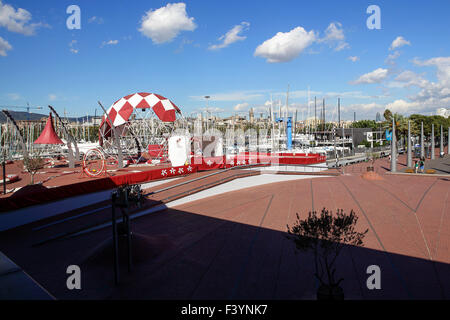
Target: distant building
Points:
(378, 117)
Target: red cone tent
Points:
(48, 135)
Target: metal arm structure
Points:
(70, 140)
(116, 138)
(21, 140)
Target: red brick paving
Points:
(233, 246)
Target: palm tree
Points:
(387, 115)
(401, 123)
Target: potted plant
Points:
(325, 235)
(126, 196)
(372, 157)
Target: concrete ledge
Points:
(16, 218)
(420, 174)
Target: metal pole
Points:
(353, 143)
(315, 118)
(422, 146)
(393, 149)
(4, 175)
(116, 137)
(70, 140)
(441, 147)
(323, 114)
(335, 151)
(339, 112)
(115, 242)
(448, 141)
(432, 142)
(409, 162)
(129, 242)
(4, 165)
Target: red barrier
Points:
(90, 186)
(246, 158)
(197, 164)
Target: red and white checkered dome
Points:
(121, 110)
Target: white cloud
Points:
(4, 46)
(212, 110)
(402, 106)
(284, 47)
(231, 36)
(95, 19)
(52, 97)
(298, 94)
(241, 106)
(399, 42)
(408, 78)
(301, 94)
(109, 43)
(334, 36)
(14, 96)
(392, 57)
(342, 46)
(353, 58)
(443, 67)
(164, 24)
(363, 107)
(375, 76)
(183, 43)
(437, 93)
(17, 20)
(231, 96)
(432, 95)
(334, 32)
(72, 46)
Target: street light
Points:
(207, 97)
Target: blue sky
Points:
(238, 52)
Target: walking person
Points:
(416, 166)
(422, 165)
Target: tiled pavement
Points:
(233, 245)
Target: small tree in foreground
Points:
(326, 235)
(33, 164)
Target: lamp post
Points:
(409, 162)
(4, 167)
(422, 147)
(207, 120)
(448, 141)
(432, 141)
(393, 148)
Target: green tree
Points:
(387, 115)
(33, 164)
(366, 124)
